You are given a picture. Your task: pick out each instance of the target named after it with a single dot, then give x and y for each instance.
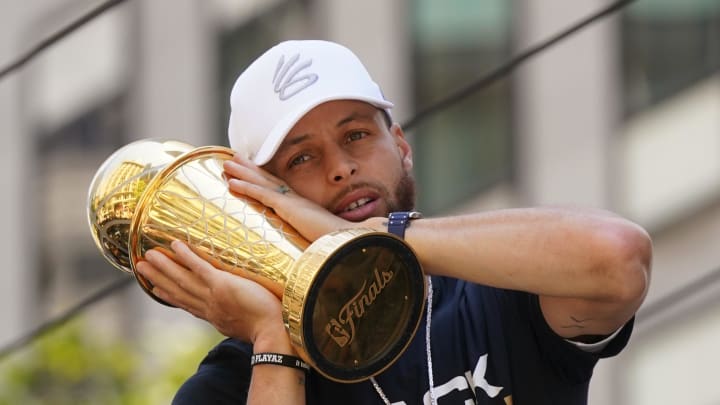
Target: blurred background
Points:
(624, 115)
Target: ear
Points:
(403, 146)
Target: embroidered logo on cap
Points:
(286, 80)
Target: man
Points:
(524, 301)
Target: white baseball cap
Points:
(286, 82)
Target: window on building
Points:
(670, 149)
(667, 46)
(245, 41)
(68, 155)
(76, 109)
(465, 148)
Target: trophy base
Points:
(353, 302)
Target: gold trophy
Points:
(352, 300)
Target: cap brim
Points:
(281, 129)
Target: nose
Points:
(341, 168)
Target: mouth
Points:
(357, 204)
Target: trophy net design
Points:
(352, 300)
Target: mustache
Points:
(403, 197)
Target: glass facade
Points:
(667, 46)
(454, 43)
(670, 144)
(240, 45)
(670, 165)
(79, 100)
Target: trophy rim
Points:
(134, 247)
(358, 237)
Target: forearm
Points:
(552, 252)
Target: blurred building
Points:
(624, 115)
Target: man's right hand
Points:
(235, 306)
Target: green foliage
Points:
(77, 365)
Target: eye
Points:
(356, 136)
(299, 159)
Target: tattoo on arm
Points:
(576, 323)
(580, 324)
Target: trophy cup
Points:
(352, 300)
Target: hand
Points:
(235, 306)
(307, 217)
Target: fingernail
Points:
(140, 267)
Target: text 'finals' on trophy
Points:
(352, 300)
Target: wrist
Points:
(275, 340)
(399, 221)
(376, 223)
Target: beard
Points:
(404, 198)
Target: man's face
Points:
(343, 156)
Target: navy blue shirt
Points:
(489, 345)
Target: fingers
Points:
(232, 304)
(239, 158)
(309, 218)
(172, 282)
(168, 291)
(268, 196)
(246, 178)
(197, 265)
(248, 171)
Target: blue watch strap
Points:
(398, 221)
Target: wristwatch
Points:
(398, 221)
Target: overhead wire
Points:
(64, 317)
(57, 36)
(506, 68)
